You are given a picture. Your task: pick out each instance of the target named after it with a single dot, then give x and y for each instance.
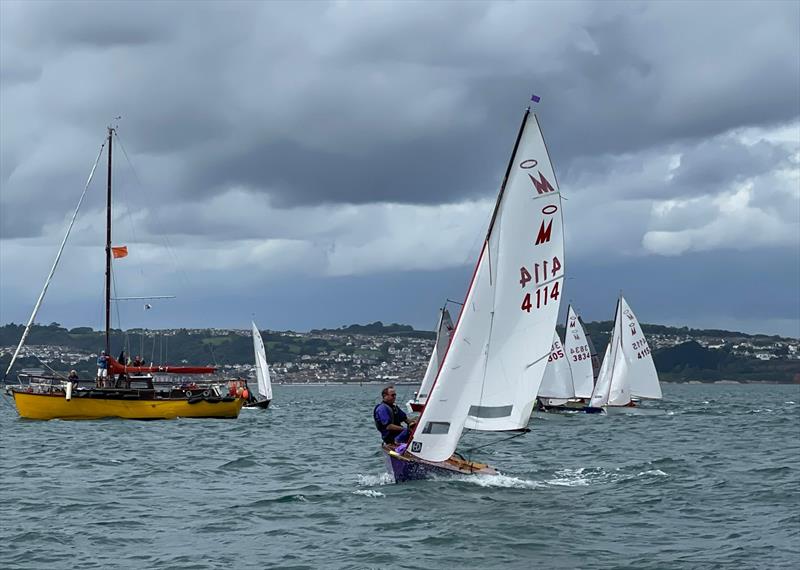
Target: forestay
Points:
(444, 331)
(494, 365)
(602, 388)
(579, 356)
(557, 381)
(262, 370)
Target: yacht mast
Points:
(108, 246)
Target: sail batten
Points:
(486, 381)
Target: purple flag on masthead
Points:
(535, 98)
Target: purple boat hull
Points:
(409, 468)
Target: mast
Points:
(508, 172)
(108, 247)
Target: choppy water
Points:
(711, 482)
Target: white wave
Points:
(368, 493)
(653, 472)
(569, 478)
(501, 481)
(374, 480)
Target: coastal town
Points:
(341, 356)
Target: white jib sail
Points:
(557, 381)
(600, 393)
(262, 370)
(444, 331)
(494, 365)
(642, 375)
(579, 356)
(603, 387)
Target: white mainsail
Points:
(262, 370)
(642, 375)
(557, 380)
(444, 332)
(495, 362)
(579, 356)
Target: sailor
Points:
(102, 369)
(73, 378)
(389, 418)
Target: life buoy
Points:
(245, 394)
(188, 393)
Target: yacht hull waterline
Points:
(51, 406)
(258, 405)
(409, 468)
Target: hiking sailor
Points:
(389, 418)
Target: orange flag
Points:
(120, 251)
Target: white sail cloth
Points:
(444, 332)
(642, 376)
(579, 356)
(628, 369)
(262, 370)
(494, 365)
(569, 366)
(557, 380)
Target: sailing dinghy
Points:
(569, 379)
(628, 372)
(495, 362)
(262, 374)
(444, 332)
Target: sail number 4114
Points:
(540, 297)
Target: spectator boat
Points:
(128, 392)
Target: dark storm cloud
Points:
(340, 104)
(436, 169)
(258, 124)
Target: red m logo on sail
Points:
(542, 185)
(544, 232)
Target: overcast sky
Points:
(320, 164)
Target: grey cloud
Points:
(717, 162)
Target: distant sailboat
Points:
(494, 364)
(628, 371)
(569, 379)
(262, 373)
(444, 332)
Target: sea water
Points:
(708, 478)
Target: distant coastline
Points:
(379, 353)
